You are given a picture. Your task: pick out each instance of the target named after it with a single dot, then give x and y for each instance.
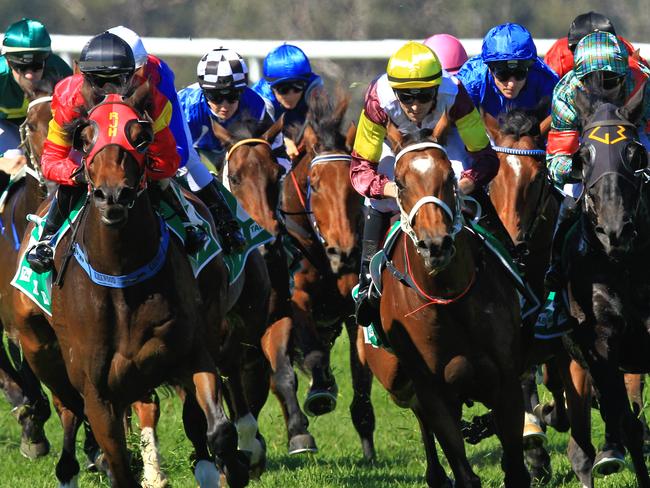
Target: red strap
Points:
(562, 141)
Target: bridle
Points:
(33, 169)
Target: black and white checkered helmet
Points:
(222, 69)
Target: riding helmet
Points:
(508, 42)
(222, 69)
(286, 63)
(414, 65)
(585, 24)
(107, 53)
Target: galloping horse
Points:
(106, 346)
(607, 266)
(451, 316)
(522, 194)
(30, 405)
(253, 175)
(323, 214)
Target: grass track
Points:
(400, 456)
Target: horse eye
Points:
(234, 179)
(636, 156)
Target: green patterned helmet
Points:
(26, 41)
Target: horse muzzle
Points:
(114, 203)
(617, 242)
(436, 251)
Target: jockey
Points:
(413, 93)
(200, 180)
(106, 63)
(26, 59)
(287, 84)
(599, 56)
(560, 56)
(450, 51)
(507, 74)
(222, 94)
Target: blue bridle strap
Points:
(138, 276)
(520, 152)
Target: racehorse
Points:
(105, 347)
(30, 405)
(323, 215)
(607, 269)
(522, 194)
(252, 174)
(450, 314)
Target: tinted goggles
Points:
(220, 96)
(99, 80)
(294, 86)
(33, 66)
(504, 74)
(33, 61)
(416, 95)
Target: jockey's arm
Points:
(563, 138)
(58, 161)
(163, 158)
(472, 131)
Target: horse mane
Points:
(247, 126)
(325, 116)
(416, 136)
(520, 122)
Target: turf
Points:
(400, 456)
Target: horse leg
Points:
(275, 344)
(577, 386)
(435, 475)
(363, 415)
(148, 411)
(534, 437)
(554, 414)
(634, 385)
(67, 467)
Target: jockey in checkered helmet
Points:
(222, 69)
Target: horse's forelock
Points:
(415, 136)
(247, 126)
(326, 119)
(518, 123)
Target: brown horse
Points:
(451, 315)
(30, 405)
(323, 215)
(522, 194)
(253, 175)
(105, 347)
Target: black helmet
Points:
(585, 24)
(107, 55)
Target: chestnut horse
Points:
(450, 314)
(523, 195)
(323, 214)
(105, 347)
(253, 174)
(30, 405)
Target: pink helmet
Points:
(449, 50)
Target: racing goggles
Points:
(293, 86)
(220, 96)
(416, 95)
(33, 61)
(504, 70)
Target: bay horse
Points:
(105, 347)
(450, 314)
(523, 196)
(607, 267)
(323, 215)
(30, 404)
(252, 174)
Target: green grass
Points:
(400, 456)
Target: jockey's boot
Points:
(554, 278)
(195, 237)
(41, 256)
(367, 305)
(230, 233)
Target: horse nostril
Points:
(628, 231)
(99, 195)
(126, 195)
(600, 230)
(447, 242)
(333, 251)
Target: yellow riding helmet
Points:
(414, 65)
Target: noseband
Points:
(406, 220)
(32, 169)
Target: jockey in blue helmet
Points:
(287, 85)
(507, 74)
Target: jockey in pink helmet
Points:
(450, 51)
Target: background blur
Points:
(325, 20)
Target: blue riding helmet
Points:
(286, 63)
(508, 42)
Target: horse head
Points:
(521, 189)
(428, 196)
(113, 138)
(251, 170)
(614, 168)
(335, 205)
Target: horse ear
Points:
(221, 133)
(582, 104)
(394, 136)
(491, 125)
(343, 98)
(77, 136)
(309, 138)
(140, 97)
(439, 133)
(75, 67)
(633, 109)
(545, 127)
(273, 131)
(350, 135)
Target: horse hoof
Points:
(258, 466)
(534, 436)
(34, 450)
(207, 475)
(539, 464)
(302, 443)
(319, 402)
(237, 470)
(607, 462)
(70, 484)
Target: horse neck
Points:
(450, 281)
(121, 250)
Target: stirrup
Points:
(41, 257)
(232, 238)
